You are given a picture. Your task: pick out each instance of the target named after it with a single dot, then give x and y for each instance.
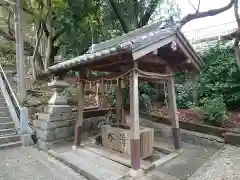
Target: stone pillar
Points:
(173, 108)
(57, 121)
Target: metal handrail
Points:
(10, 92)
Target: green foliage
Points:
(221, 75)
(184, 96)
(218, 85)
(214, 110)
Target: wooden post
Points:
(134, 113)
(173, 107)
(79, 120)
(118, 102)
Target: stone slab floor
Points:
(26, 163)
(185, 165)
(223, 165)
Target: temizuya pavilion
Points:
(150, 53)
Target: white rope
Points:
(126, 73)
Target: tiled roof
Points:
(129, 42)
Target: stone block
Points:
(55, 134)
(49, 117)
(56, 117)
(64, 132)
(67, 116)
(232, 138)
(57, 109)
(47, 125)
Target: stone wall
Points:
(52, 128)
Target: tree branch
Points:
(4, 4)
(196, 9)
(199, 2)
(211, 12)
(8, 22)
(57, 34)
(119, 15)
(148, 13)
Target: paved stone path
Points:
(184, 165)
(24, 163)
(224, 165)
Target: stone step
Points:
(10, 145)
(7, 125)
(2, 99)
(4, 112)
(5, 132)
(10, 138)
(5, 119)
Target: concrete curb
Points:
(71, 165)
(191, 137)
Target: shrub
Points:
(214, 110)
(184, 96)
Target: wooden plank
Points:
(114, 156)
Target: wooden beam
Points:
(188, 54)
(134, 113)
(157, 76)
(153, 59)
(143, 51)
(173, 107)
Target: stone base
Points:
(46, 145)
(56, 117)
(56, 109)
(26, 140)
(136, 174)
(55, 134)
(47, 125)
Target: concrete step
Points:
(5, 132)
(10, 145)
(4, 112)
(5, 119)
(7, 125)
(2, 99)
(9, 139)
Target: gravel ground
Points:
(224, 165)
(23, 163)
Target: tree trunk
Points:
(50, 36)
